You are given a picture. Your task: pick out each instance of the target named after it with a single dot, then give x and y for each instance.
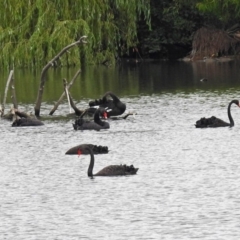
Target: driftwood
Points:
(23, 114)
(16, 114)
(128, 114)
(9, 115)
(44, 71)
(67, 93)
(123, 117)
(10, 79)
(14, 98)
(77, 111)
(89, 112)
(63, 94)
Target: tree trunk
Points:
(10, 77)
(14, 98)
(44, 71)
(63, 94)
(77, 111)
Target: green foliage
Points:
(33, 31)
(173, 22)
(225, 11)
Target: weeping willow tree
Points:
(33, 31)
(224, 10)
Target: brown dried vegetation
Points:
(212, 42)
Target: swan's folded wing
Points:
(25, 122)
(219, 123)
(117, 170)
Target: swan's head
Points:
(105, 116)
(103, 112)
(236, 102)
(79, 152)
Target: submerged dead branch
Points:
(67, 93)
(9, 115)
(82, 40)
(10, 77)
(22, 114)
(63, 94)
(14, 98)
(77, 111)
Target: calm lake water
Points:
(187, 186)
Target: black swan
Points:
(111, 170)
(117, 107)
(98, 124)
(216, 122)
(82, 149)
(25, 122)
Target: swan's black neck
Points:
(112, 95)
(91, 165)
(229, 112)
(97, 117)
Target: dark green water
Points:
(126, 79)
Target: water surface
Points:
(187, 184)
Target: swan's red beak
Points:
(79, 152)
(105, 116)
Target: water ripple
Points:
(186, 188)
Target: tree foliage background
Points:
(173, 24)
(176, 22)
(33, 31)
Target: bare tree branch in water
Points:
(9, 80)
(68, 86)
(14, 97)
(77, 111)
(37, 107)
